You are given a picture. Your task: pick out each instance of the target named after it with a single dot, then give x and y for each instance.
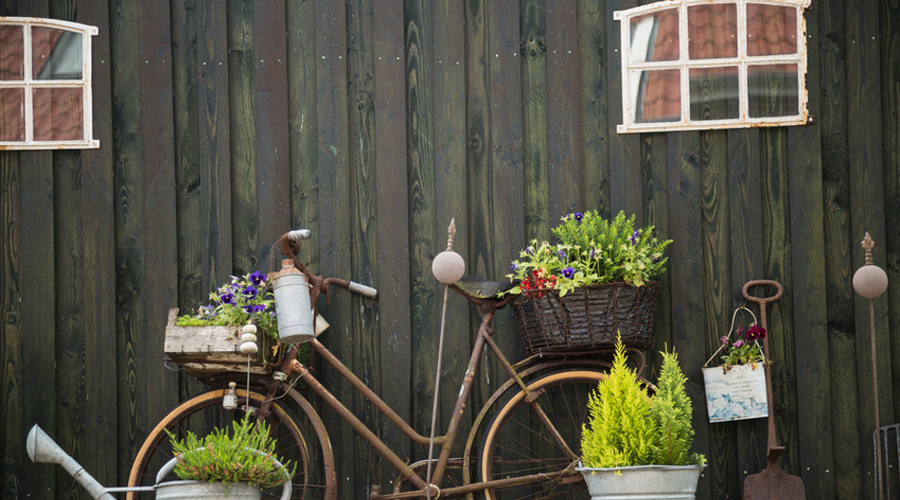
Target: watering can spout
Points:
(42, 449)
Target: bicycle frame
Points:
(446, 441)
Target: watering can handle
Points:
(745, 291)
(170, 466)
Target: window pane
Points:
(713, 30)
(658, 97)
(714, 93)
(654, 37)
(58, 114)
(12, 60)
(773, 90)
(56, 54)
(771, 30)
(12, 114)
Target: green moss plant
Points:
(628, 427)
(246, 454)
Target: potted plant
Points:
(637, 445)
(590, 285)
(736, 390)
(222, 464)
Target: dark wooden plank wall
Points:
(374, 123)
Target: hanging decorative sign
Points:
(736, 390)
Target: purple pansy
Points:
(568, 272)
(257, 278)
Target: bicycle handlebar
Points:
(298, 235)
(352, 286)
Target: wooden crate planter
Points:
(207, 351)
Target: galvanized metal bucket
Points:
(647, 482)
(186, 490)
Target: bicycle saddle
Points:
(484, 289)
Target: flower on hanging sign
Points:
(744, 350)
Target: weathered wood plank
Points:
(191, 288)
(717, 288)
(12, 338)
(211, 80)
(592, 62)
(654, 153)
(865, 157)
(160, 211)
(478, 137)
(425, 304)
(450, 187)
(505, 98)
(832, 120)
(625, 183)
(271, 109)
(366, 345)
(810, 320)
(746, 242)
(392, 237)
(777, 264)
(99, 258)
(37, 266)
(688, 308)
(563, 110)
(131, 277)
(334, 215)
(243, 119)
(303, 121)
(538, 195)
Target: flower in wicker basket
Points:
(590, 284)
(590, 250)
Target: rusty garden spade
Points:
(772, 483)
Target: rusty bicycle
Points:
(524, 441)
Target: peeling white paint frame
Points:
(29, 84)
(631, 70)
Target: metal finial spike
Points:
(868, 244)
(451, 232)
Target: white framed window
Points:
(45, 84)
(712, 64)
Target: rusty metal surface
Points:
(772, 483)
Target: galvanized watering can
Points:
(42, 449)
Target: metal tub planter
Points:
(184, 490)
(650, 482)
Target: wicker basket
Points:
(587, 318)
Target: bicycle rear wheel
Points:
(204, 412)
(519, 443)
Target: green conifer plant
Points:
(628, 427)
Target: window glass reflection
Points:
(12, 60)
(56, 54)
(12, 114)
(713, 31)
(714, 93)
(654, 37)
(773, 90)
(658, 98)
(771, 30)
(58, 114)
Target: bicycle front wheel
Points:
(541, 439)
(204, 412)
